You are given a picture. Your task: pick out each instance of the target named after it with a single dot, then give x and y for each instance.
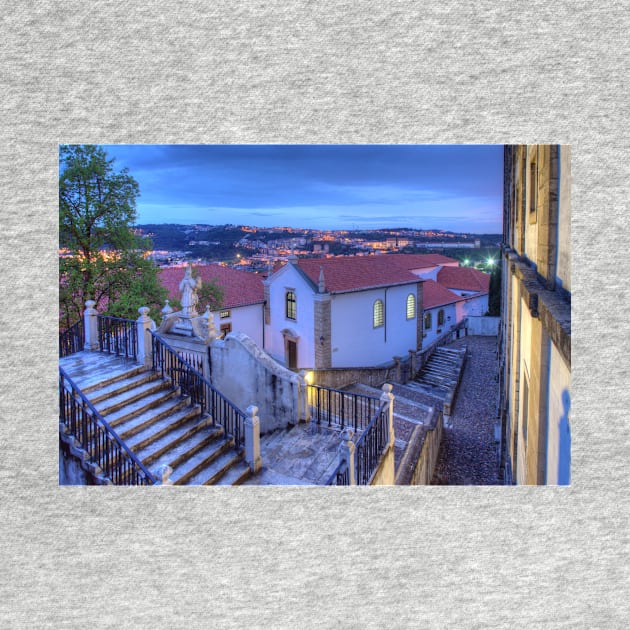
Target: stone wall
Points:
(337, 378)
(70, 471)
(418, 463)
(483, 325)
(247, 375)
(384, 474)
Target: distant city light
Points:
(466, 262)
(490, 262)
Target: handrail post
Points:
(163, 473)
(346, 451)
(144, 324)
(252, 439)
(304, 411)
(388, 398)
(90, 319)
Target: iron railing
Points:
(340, 476)
(105, 448)
(344, 409)
(371, 444)
(118, 336)
(168, 363)
(71, 340)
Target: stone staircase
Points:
(408, 414)
(441, 371)
(158, 424)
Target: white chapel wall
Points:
(355, 341)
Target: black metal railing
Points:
(168, 363)
(343, 409)
(371, 444)
(95, 436)
(118, 336)
(340, 476)
(71, 340)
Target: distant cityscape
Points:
(255, 248)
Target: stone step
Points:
(88, 378)
(235, 475)
(155, 430)
(436, 378)
(180, 444)
(98, 394)
(142, 405)
(127, 398)
(131, 425)
(219, 468)
(189, 470)
(439, 363)
(438, 371)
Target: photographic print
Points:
(314, 315)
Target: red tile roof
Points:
(434, 294)
(419, 261)
(464, 279)
(240, 288)
(356, 273)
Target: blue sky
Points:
(450, 187)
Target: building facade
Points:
(535, 336)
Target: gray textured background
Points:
(303, 72)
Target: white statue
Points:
(189, 286)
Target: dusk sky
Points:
(450, 187)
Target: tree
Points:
(106, 262)
(494, 298)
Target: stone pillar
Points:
(90, 325)
(167, 310)
(322, 332)
(163, 474)
(397, 361)
(304, 410)
(144, 324)
(388, 397)
(412, 364)
(346, 454)
(252, 439)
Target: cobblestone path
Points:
(468, 453)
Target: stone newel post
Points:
(90, 321)
(303, 406)
(252, 439)
(144, 324)
(388, 397)
(346, 454)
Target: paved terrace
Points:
(468, 453)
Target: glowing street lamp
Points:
(490, 262)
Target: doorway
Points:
(291, 354)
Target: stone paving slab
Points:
(468, 455)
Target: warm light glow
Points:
(308, 377)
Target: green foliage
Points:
(494, 297)
(97, 210)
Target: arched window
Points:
(378, 313)
(291, 305)
(411, 306)
(440, 318)
(428, 321)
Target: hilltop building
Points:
(535, 339)
(344, 312)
